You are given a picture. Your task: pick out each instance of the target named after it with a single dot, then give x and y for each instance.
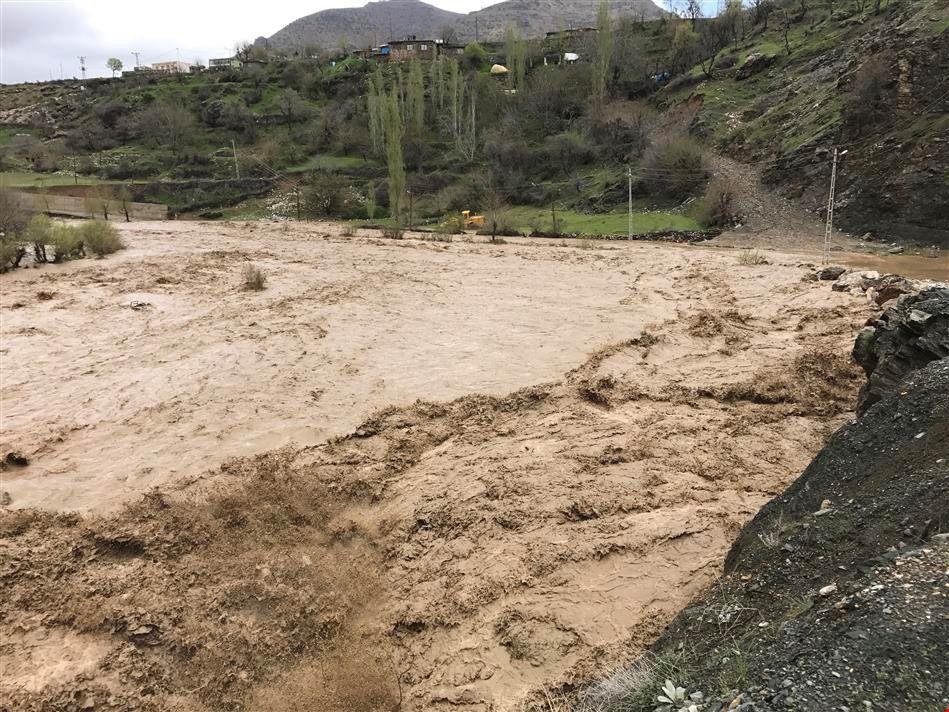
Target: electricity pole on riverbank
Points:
(629, 176)
(829, 227)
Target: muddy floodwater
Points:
(489, 467)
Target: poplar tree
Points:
(456, 92)
(515, 51)
(394, 161)
(375, 104)
(604, 54)
(415, 99)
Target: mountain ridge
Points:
(383, 20)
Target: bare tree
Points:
(693, 11)
(242, 50)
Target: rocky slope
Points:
(835, 594)
(871, 84)
(374, 23)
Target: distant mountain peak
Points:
(379, 21)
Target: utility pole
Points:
(135, 54)
(828, 229)
(629, 176)
(237, 169)
(82, 67)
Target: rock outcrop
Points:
(905, 338)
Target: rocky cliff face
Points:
(904, 339)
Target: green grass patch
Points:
(7, 133)
(527, 219)
(29, 179)
(325, 162)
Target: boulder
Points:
(754, 63)
(855, 282)
(908, 336)
(889, 287)
(829, 274)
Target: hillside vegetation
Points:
(776, 85)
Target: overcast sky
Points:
(38, 37)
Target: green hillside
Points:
(775, 86)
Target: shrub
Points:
(11, 252)
(718, 207)
(39, 233)
(67, 243)
(253, 278)
(13, 219)
(393, 233)
(674, 166)
(752, 257)
(101, 238)
(371, 205)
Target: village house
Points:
(224, 63)
(409, 49)
(175, 67)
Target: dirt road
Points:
(594, 426)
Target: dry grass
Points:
(253, 278)
(750, 258)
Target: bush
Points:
(674, 166)
(751, 258)
(67, 243)
(11, 252)
(101, 238)
(253, 278)
(39, 233)
(13, 219)
(718, 207)
(393, 233)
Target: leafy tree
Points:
(732, 21)
(475, 55)
(13, 222)
(515, 52)
(604, 54)
(394, 132)
(114, 64)
(684, 44)
(375, 104)
(415, 99)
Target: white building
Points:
(172, 67)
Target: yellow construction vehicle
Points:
(472, 220)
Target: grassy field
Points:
(527, 219)
(325, 162)
(28, 179)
